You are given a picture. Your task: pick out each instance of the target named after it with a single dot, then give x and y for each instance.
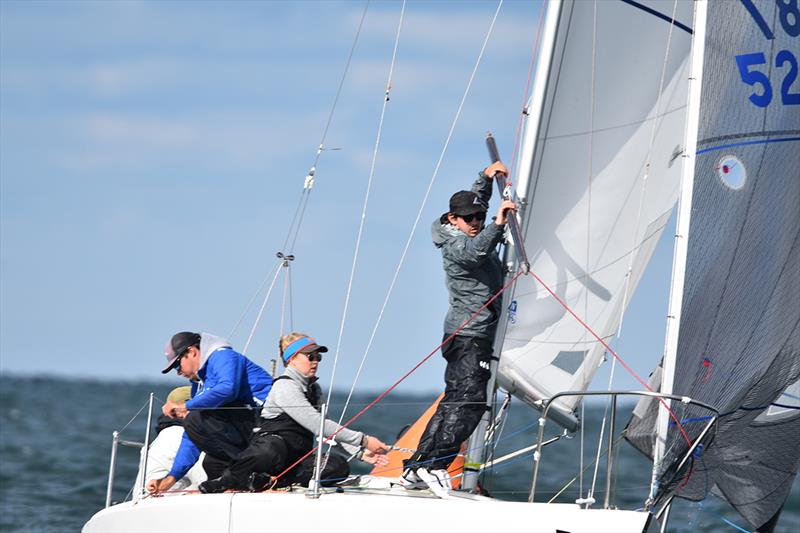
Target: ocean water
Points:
(55, 442)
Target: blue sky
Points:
(152, 155)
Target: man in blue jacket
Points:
(228, 391)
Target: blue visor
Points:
(292, 350)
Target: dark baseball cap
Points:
(467, 203)
(179, 343)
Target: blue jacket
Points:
(226, 378)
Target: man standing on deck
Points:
(228, 390)
(474, 274)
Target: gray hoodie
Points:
(289, 396)
(473, 271)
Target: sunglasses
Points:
(469, 218)
(177, 364)
(314, 357)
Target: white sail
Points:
(598, 177)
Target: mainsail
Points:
(598, 177)
(738, 344)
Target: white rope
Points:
(363, 220)
(261, 311)
(422, 206)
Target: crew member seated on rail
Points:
(289, 421)
(228, 390)
(162, 451)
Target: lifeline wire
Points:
(612, 352)
(424, 201)
(364, 208)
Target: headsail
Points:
(599, 177)
(739, 339)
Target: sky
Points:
(152, 156)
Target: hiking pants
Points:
(221, 433)
(271, 454)
(463, 404)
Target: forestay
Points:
(598, 177)
(739, 341)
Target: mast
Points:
(681, 235)
(477, 449)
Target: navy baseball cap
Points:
(179, 343)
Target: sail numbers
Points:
(785, 60)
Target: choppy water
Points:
(55, 441)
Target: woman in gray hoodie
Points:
(289, 420)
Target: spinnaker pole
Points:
(505, 192)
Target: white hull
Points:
(355, 511)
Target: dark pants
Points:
(462, 406)
(221, 433)
(270, 454)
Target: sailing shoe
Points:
(259, 482)
(410, 480)
(438, 481)
(213, 486)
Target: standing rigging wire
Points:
(363, 219)
(261, 311)
(309, 183)
(293, 230)
(422, 205)
(636, 243)
(526, 92)
(592, 87)
(253, 299)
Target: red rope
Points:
(617, 357)
(396, 383)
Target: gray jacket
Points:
(473, 271)
(289, 396)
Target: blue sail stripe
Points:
(746, 143)
(658, 14)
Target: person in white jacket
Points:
(163, 449)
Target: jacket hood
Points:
(209, 344)
(443, 232)
(295, 374)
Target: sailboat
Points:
(636, 106)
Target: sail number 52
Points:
(789, 16)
